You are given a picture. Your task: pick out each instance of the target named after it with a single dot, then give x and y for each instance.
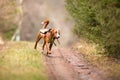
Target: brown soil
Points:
(66, 64)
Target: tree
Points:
(8, 17)
(98, 21)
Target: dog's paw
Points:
(48, 53)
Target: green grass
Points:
(19, 61)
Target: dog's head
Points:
(56, 33)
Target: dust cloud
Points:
(35, 11)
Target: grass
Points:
(19, 61)
(110, 66)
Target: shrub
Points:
(97, 21)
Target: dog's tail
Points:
(45, 23)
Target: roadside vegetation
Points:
(97, 24)
(19, 61)
(98, 21)
(9, 18)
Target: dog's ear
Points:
(52, 30)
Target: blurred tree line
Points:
(99, 21)
(8, 18)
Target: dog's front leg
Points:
(48, 49)
(43, 46)
(51, 44)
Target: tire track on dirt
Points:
(66, 64)
(58, 69)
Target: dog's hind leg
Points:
(37, 40)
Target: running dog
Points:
(49, 36)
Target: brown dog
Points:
(49, 36)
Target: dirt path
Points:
(66, 64)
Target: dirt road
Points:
(63, 63)
(66, 64)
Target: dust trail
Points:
(37, 10)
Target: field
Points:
(19, 61)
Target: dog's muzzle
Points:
(57, 36)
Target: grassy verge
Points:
(19, 61)
(110, 66)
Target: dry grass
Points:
(109, 65)
(19, 61)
